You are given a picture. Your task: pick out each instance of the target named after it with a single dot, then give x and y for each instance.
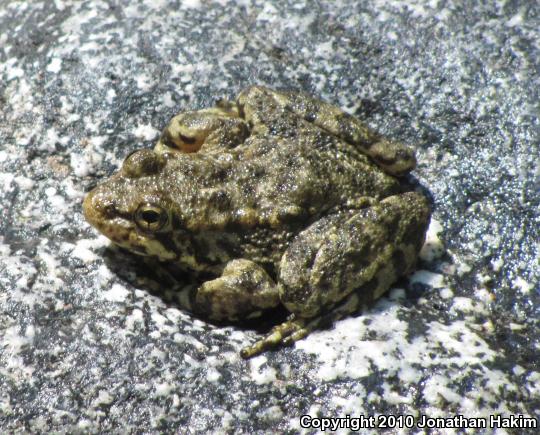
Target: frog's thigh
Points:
(243, 290)
(365, 249)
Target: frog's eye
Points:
(149, 217)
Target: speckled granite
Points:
(85, 82)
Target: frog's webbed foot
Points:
(295, 329)
(393, 157)
(286, 333)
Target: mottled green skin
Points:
(276, 198)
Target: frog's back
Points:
(306, 174)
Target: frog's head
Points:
(134, 209)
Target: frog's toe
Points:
(296, 336)
(286, 334)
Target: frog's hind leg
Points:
(345, 260)
(393, 157)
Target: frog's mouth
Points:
(107, 217)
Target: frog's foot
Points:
(243, 290)
(295, 329)
(287, 333)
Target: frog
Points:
(272, 199)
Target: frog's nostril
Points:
(96, 209)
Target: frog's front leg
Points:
(393, 157)
(243, 290)
(217, 127)
(364, 251)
